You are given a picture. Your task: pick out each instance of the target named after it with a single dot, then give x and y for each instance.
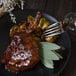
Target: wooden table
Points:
(70, 69)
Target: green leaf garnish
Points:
(48, 54)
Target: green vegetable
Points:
(48, 54)
(30, 19)
(43, 23)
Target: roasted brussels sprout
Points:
(14, 29)
(23, 27)
(43, 23)
(30, 20)
(51, 38)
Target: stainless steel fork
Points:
(53, 29)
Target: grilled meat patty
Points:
(22, 53)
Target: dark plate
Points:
(39, 69)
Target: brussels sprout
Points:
(14, 29)
(46, 24)
(43, 23)
(23, 27)
(30, 19)
(51, 38)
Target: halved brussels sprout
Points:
(43, 23)
(14, 29)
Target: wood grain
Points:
(57, 8)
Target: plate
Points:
(39, 69)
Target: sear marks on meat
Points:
(22, 53)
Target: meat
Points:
(22, 53)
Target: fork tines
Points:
(53, 29)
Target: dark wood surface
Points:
(70, 69)
(58, 9)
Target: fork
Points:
(53, 29)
